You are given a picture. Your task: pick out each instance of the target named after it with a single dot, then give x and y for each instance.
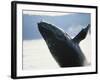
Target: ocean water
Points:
(36, 55)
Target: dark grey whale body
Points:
(65, 50)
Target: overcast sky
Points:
(71, 23)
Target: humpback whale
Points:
(66, 51)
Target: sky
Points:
(71, 23)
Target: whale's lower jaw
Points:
(66, 52)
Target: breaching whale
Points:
(66, 51)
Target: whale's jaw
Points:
(66, 52)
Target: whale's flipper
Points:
(82, 34)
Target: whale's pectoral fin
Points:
(82, 34)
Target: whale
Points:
(65, 51)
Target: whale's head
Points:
(52, 33)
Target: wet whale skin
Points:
(66, 51)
